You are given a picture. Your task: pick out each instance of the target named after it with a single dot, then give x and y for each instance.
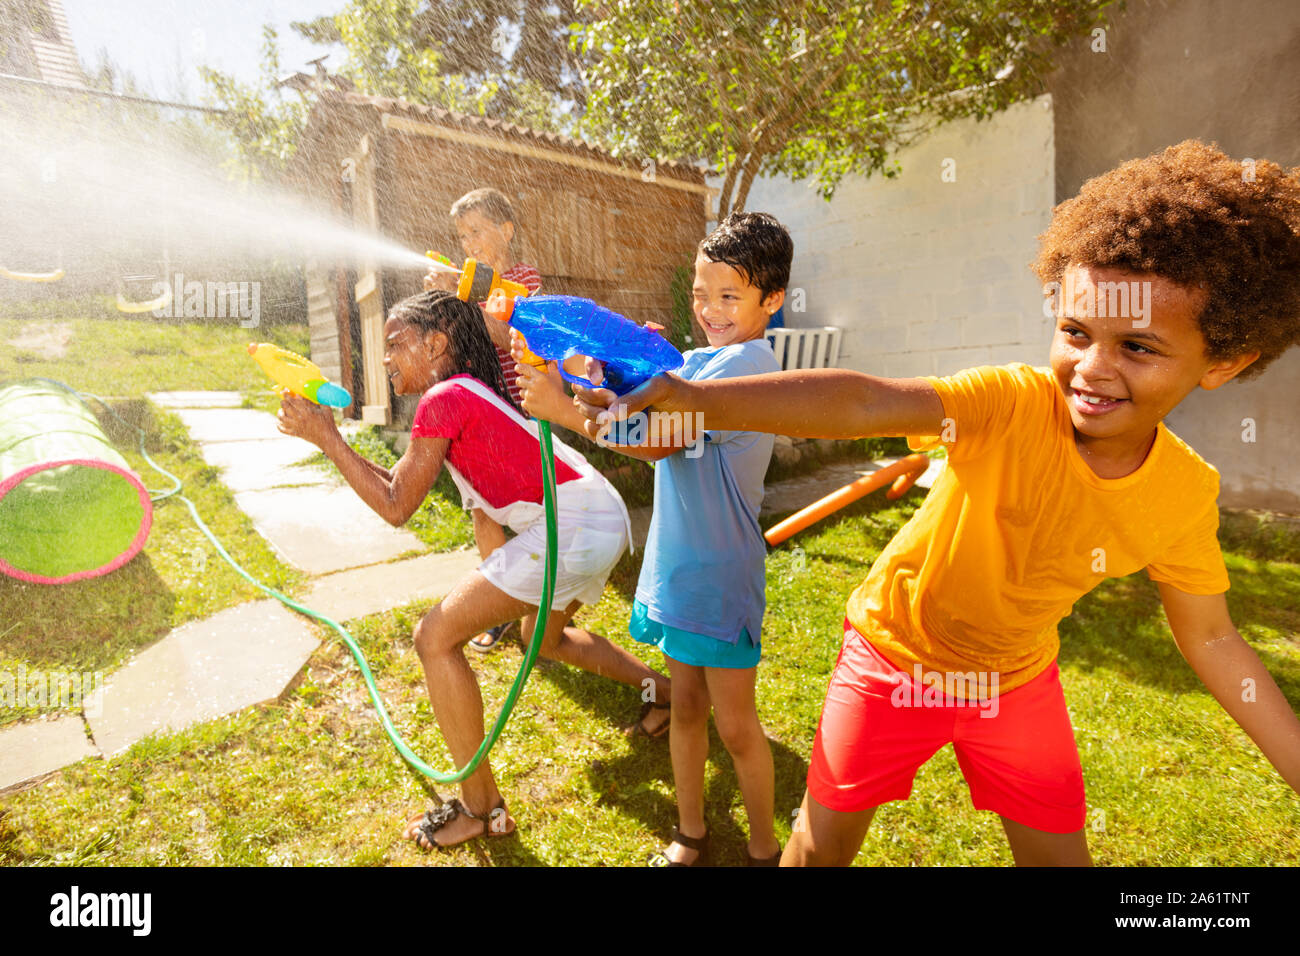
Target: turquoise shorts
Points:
(697, 650)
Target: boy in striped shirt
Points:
(485, 223)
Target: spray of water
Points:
(83, 184)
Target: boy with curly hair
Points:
(1169, 273)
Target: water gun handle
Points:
(501, 306)
(576, 379)
(627, 385)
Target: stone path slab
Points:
(239, 657)
(348, 595)
(927, 480)
(324, 529)
(41, 746)
(47, 341)
(230, 424)
(264, 463)
(196, 399)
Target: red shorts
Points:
(1016, 750)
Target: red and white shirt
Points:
(491, 445)
(528, 277)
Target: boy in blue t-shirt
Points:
(700, 597)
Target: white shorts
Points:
(592, 535)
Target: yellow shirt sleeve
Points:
(978, 406)
(1194, 563)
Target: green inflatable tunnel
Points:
(70, 506)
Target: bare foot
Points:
(460, 828)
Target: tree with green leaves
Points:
(265, 124)
(809, 88)
(507, 59)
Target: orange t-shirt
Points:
(1018, 527)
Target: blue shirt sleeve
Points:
(732, 361)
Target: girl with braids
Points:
(435, 346)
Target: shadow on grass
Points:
(627, 781)
(86, 625)
(1120, 626)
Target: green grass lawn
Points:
(311, 779)
(114, 355)
(95, 625)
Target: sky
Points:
(163, 42)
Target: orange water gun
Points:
(480, 283)
(478, 280)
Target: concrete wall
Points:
(928, 276)
(1220, 72)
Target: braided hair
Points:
(471, 351)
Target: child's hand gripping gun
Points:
(302, 377)
(558, 327)
(477, 280)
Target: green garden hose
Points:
(525, 668)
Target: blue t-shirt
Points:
(704, 557)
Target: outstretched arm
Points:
(1234, 674)
(544, 396)
(394, 495)
(809, 403)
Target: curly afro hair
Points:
(1196, 217)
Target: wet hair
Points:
(472, 352)
(756, 246)
(1196, 217)
(491, 203)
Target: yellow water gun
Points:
(301, 376)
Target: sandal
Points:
(437, 818)
(638, 729)
(490, 638)
(699, 844)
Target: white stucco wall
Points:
(928, 276)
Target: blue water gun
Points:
(558, 327)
